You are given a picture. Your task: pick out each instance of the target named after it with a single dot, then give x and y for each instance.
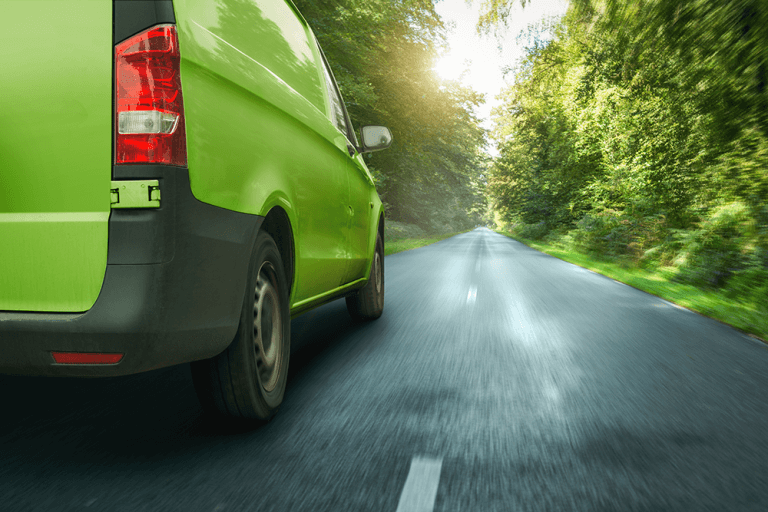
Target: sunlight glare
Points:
(451, 67)
(477, 60)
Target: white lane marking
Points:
(421, 485)
(472, 295)
(681, 308)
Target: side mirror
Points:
(375, 138)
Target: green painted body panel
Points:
(362, 230)
(135, 194)
(55, 153)
(259, 136)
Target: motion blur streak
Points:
(557, 389)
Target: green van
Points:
(178, 179)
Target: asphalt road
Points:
(498, 379)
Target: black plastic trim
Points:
(305, 308)
(133, 16)
(172, 293)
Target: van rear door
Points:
(55, 153)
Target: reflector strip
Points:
(86, 358)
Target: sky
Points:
(483, 57)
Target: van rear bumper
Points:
(172, 292)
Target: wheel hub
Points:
(267, 328)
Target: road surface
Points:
(498, 379)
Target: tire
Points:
(247, 380)
(368, 302)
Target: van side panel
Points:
(258, 133)
(55, 153)
(367, 206)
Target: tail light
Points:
(149, 110)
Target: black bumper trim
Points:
(172, 293)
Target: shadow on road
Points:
(147, 416)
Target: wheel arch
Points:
(278, 225)
(377, 229)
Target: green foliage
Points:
(715, 251)
(381, 53)
(394, 230)
(750, 284)
(494, 13)
(531, 231)
(603, 233)
(747, 310)
(642, 128)
(612, 234)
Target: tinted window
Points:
(337, 108)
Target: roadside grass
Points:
(406, 244)
(746, 316)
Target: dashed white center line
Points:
(472, 295)
(421, 485)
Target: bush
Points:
(601, 234)
(394, 230)
(749, 285)
(439, 227)
(719, 248)
(615, 234)
(532, 231)
(669, 244)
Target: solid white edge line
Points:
(420, 487)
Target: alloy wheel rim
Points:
(267, 327)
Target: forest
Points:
(639, 133)
(634, 130)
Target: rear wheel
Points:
(368, 302)
(247, 380)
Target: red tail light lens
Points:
(86, 358)
(149, 110)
